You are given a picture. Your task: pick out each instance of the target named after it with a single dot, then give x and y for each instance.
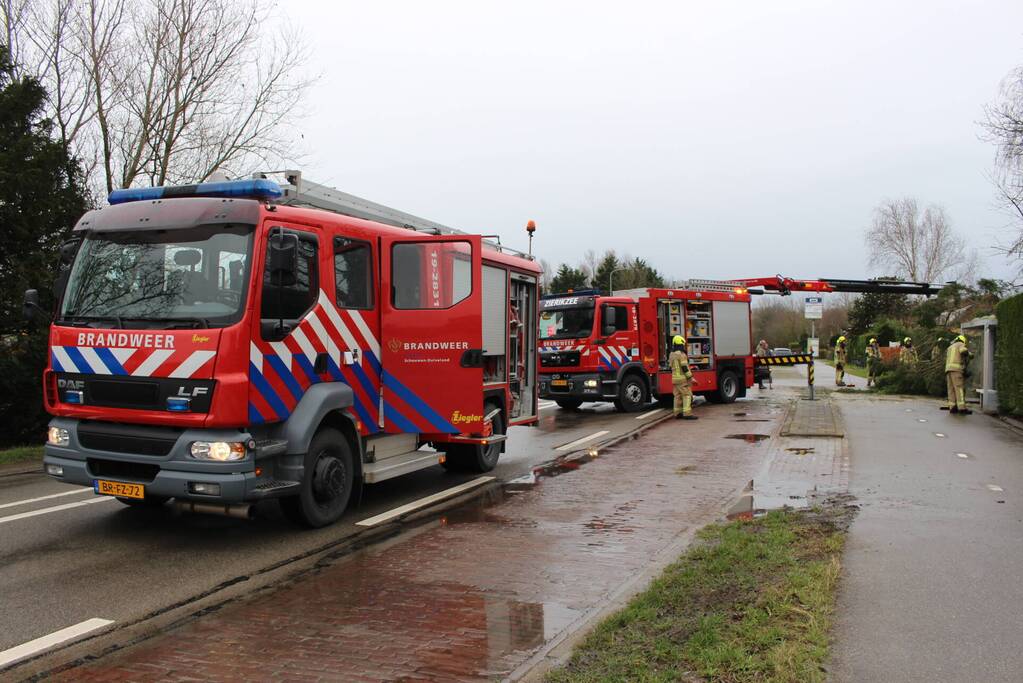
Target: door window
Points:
(621, 318)
(292, 300)
(430, 274)
(353, 273)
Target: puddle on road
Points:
(749, 438)
(800, 450)
(752, 419)
(739, 414)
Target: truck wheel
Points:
(477, 458)
(326, 482)
(728, 388)
(632, 394)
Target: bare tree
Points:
(164, 91)
(920, 247)
(1004, 127)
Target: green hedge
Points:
(1009, 358)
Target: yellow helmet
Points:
(841, 339)
(907, 340)
(678, 340)
(873, 341)
(961, 338)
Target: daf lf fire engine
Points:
(615, 348)
(229, 342)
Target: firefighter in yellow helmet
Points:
(841, 358)
(681, 379)
(908, 355)
(873, 361)
(956, 359)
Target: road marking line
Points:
(921, 420)
(995, 488)
(962, 455)
(54, 495)
(650, 414)
(34, 647)
(579, 442)
(545, 406)
(939, 435)
(423, 502)
(55, 508)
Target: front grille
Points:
(119, 394)
(134, 471)
(559, 359)
(156, 441)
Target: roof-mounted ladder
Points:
(301, 192)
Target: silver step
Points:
(397, 465)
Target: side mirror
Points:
(32, 310)
(282, 259)
(607, 320)
(68, 251)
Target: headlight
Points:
(58, 436)
(222, 451)
(590, 383)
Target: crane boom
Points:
(786, 285)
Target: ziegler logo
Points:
(394, 345)
(458, 418)
(199, 339)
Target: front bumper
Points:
(588, 386)
(168, 475)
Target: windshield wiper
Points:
(185, 323)
(84, 320)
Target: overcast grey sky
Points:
(714, 139)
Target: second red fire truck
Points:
(615, 348)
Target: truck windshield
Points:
(567, 323)
(192, 276)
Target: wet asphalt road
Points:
(103, 560)
(933, 578)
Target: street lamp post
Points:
(611, 278)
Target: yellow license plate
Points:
(119, 489)
(559, 382)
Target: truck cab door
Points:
(431, 333)
(618, 329)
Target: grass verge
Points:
(751, 601)
(10, 456)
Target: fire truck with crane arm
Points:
(615, 348)
(228, 342)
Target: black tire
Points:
(327, 482)
(728, 388)
(569, 403)
(632, 394)
(147, 502)
(464, 458)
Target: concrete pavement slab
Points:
(933, 578)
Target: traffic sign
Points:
(814, 308)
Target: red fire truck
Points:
(615, 348)
(228, 342)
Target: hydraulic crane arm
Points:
(786, 285)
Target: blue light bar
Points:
(75, 397)
(237, 189)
